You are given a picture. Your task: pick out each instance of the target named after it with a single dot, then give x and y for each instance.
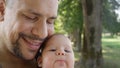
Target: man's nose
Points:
(40, 29)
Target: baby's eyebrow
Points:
(50, 47)
(66, 45)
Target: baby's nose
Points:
(60, 53)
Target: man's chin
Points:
(28, 56)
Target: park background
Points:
(94, 29)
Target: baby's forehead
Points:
(59, 40)
(56, 36)
(59, 37)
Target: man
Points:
(26, 24)
(1, 9)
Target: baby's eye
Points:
(52, 50)
(68, 51)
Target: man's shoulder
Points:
(15, 64)
(3, 55)
(1, 66)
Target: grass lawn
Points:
(111, 52)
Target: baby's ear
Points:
(2, 8)
(39, 61)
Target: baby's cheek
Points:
(47, 62)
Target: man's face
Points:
(28, 23)
(58, 53)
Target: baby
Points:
(56, 52)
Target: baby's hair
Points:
(39, 53)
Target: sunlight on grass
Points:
(111, 55)
(110, 49)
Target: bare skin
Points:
(26, 24)
(58, 50)
(1, 9)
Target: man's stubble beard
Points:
(16, 49)
(17, 45)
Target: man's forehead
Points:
(31, 2)
(39, 1)
(30, 11)
(40, 4)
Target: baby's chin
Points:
(60, 64)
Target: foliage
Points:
(70, 21)
(110, 22)
(70, 15)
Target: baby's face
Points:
(58, 53)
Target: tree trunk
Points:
(77, 41)
(75, 36)
(91, 56)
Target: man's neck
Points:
(7, 58)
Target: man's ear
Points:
(2, 8)
(39, 61)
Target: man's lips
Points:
(32, 44)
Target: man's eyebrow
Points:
(53, 17)
(37, 14)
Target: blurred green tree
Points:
(70, 15)
(110, 22)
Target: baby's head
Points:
(56, 52)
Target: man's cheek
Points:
(51, 31)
